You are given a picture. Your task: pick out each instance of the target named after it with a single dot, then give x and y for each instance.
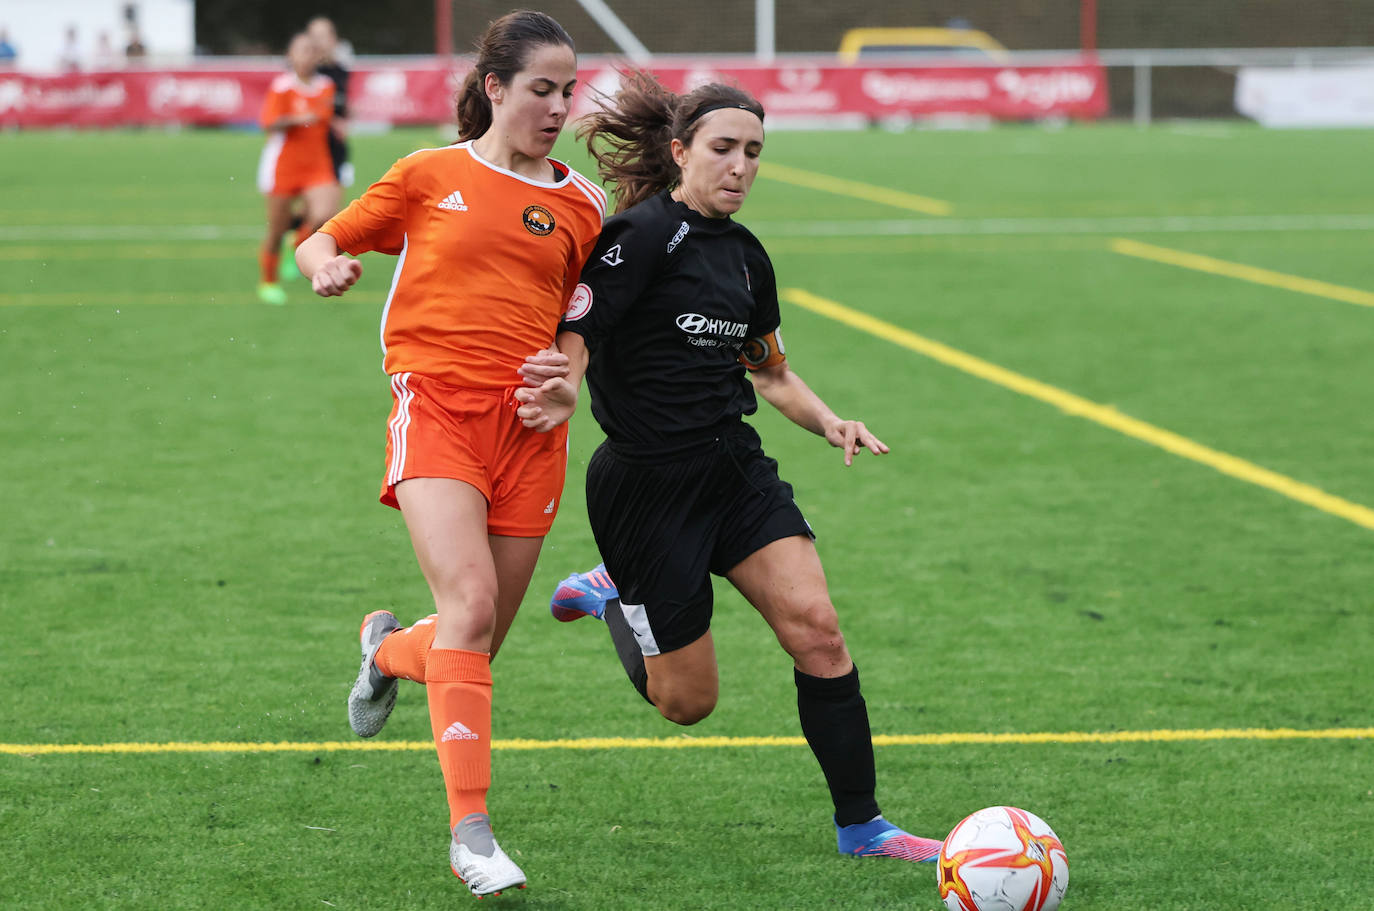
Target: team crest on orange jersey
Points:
(538, 220)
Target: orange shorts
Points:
(284, 171)
(294, 182)
(474, 435)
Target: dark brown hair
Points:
(503, 50)
(630, 136)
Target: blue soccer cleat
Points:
(583, 595)
(880, 838)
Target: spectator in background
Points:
(135, 48)
(8, 52)
(105, 57)
(70, 58)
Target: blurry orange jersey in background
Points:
(488, 260)
(297, 157)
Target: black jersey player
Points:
(676, 305)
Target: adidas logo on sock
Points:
(458, 731)
(453, 201)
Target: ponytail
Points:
(631, 135)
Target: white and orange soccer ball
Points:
(1003, 859)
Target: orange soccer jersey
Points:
(488, 259)
(298, 157)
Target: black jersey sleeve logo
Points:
(677, 238)
(612, 256)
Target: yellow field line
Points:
(687, 743)
(1081, 407)
(840, 186)
(1258, 276)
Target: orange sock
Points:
(269, 261)
(302, 234)
(459, 690)
(404, 653)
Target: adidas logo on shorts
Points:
(458, 731)
(454, 202)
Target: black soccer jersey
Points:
(339, 76)
(667, 299)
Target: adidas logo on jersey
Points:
(458, 731)
(453, 201)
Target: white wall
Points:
(38, 29)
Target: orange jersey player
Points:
(490, 236)
(296, 161)
(489, 258)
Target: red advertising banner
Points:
(422, 92)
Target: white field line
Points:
(130, 232)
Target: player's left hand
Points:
(853, 437)
(544, 407)
(543, 366)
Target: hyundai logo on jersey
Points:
(695, 324)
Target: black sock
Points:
(627, 647)
(834, 719)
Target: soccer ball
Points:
(1003, 859)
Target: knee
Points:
(683, 705)
(815, 637)
(686, 711)
(466, 620)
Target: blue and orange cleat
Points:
(880, 838)
(583, 595)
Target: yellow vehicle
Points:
(958, 43)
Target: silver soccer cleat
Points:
(373, 694)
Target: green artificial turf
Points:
(191, 536)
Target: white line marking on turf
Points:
(129, 232)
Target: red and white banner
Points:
(837, 91)
(422, 93)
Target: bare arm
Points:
(788, 393)
(330, 273)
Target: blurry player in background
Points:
(333, 60)
(491, 235)
(333, 63)
(295, 162)
(677, 303)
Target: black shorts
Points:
(664, 525)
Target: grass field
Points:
(1130, 498)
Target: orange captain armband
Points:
(764, 351)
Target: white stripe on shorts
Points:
(398, 426)
(639, 625)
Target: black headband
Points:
(720, 105)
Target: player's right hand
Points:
(336, 276)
